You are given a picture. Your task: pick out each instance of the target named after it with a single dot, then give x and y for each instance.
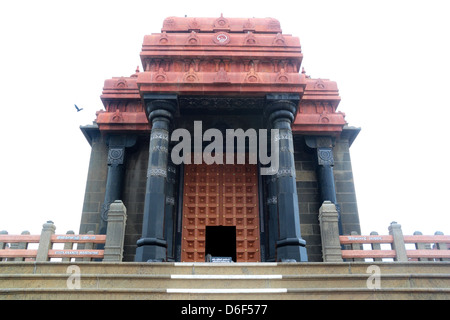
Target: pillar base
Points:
(292, 253)
(291, 250)
(151, 250)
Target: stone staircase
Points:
(236, 281)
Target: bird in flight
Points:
(78, 109)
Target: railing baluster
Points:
(45, 242)
(376, 246)
(68, 246)
(22, 246)
(441, 245)
(88, 246)
(356, 246)
(421, 246)
(3, 244)
(398, 244)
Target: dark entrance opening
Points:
(221, 241)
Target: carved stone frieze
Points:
(197, 102)
(286, 172)
(158, 172)
(159, 134)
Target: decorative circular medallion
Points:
(221, 38)
(115, 154)
(325, 156)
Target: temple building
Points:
(202, 78)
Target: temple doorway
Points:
(220, 212)
(220, 242)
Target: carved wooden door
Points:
(220, 195)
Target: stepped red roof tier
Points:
(234, 57)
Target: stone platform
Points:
(230, 281)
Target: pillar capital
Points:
(324, 146)
(287, 97)
(117, 144)
(121, 140)
(281, 107)
(315, 142)
(160, 106)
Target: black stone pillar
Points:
(325, 175)
(280, 112)
(153, 244)
(116, 158)
(272, 216)
(170, 213)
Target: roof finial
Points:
(135, 73)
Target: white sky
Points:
(389, 58)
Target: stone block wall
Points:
(308, 198)
(95, 185)
(134, 195)
(308, 190)
(345, 187)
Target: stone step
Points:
(180, 281)
(247, 281)
(221, 268)
(223, 294)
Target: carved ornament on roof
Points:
(161, 75)
(249, 25)
(250, 39)
(164, 38)
(282, 76)
(191, 76)
(194, 25)
(169, 23)
(319, 84)
(121, 83)
(221, 38)
(252, 76)
(193, 39)
(221, 76)
(221, 23)
(279, 40)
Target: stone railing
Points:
(401, 247)
(335, 248)
(18, 248)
